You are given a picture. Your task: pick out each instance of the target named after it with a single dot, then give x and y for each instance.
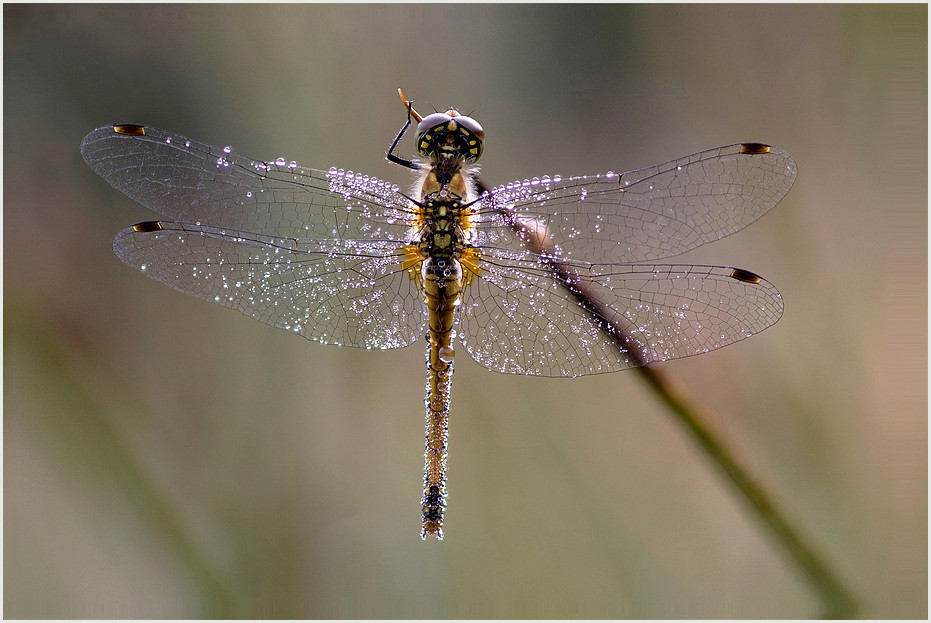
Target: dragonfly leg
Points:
(389, 155)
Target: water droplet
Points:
(168, 140)
(557, 179)
(187, 143)
(447, 354)
(227, 149)
(279, 162)
(249, 194)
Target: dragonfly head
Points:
(450, 134)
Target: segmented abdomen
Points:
(442, 285)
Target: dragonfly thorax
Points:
(442, 220)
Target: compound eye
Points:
(431, 121)
(471, 125)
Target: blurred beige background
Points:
(164, 457)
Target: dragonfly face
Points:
(450, 135)
(551, 276)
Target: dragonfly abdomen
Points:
(442, 285)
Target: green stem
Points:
(839, 603)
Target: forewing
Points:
(643, 215)
(525, 315)
(189, 181)
(346, 292)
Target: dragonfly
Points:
(550, 276)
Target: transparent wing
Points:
(643, 215)
(189, 181)
(519, 317)
(314, 252)
(346, 292)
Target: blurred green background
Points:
(164, 457)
